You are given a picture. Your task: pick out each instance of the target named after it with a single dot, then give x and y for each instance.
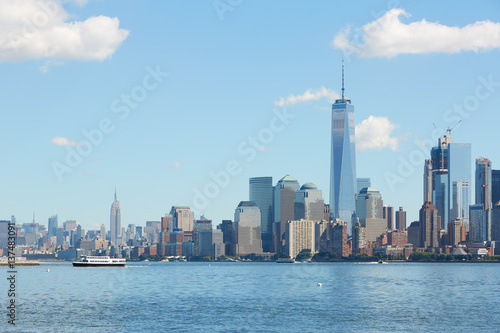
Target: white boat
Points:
(99, 261)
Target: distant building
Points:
(429, 226)
(397, 237)
(495, 186)
(339, 239)
(211, 243)
(413, 234)
(495, 223)
(182, 217)
(483, 191)
(461, 202)
(400, 219)
(428, 180)
(308, 203)
(388, 214)
(363, 183)
(284, 204)
(247, 229)
(456, 232)
(115, 222)
(478, 219)
(261, 191)
(369, 210)
(299, 236)
(358, 238)
(52, 226)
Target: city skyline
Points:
(203, 114)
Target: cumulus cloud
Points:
(36, 29)
(388, 36)
(62, 141)
(374, 133)
(309, 95)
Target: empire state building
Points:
(343, 161)
(115, 223)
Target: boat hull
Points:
(87, 264)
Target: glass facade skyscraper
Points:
(261, 192)
(343, 182)
(459, 170)
(483, 191)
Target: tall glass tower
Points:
(262, 193)
(343, 161)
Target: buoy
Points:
(48, 269)
(319, 284)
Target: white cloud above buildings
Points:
(309, 95)
(388, 37)
(374, 133)
(37, 29)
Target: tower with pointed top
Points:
(343, 161)
(115, 222)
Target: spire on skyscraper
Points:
(115, 194)
(343, 80)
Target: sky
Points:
(181, 102)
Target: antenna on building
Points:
(343, 80)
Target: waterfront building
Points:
(308, 203)
(369, 210)
(358, 237)
(343, 181)
(326, 212)
(400, 219)
(261, 191)
(413, 234)
(495, 223)
(429, 226)
(247, 234)
(397, 237)
(388, 215)
(210, 243)
(299, 236)
(456, 232)
(182, 217)
(167, 223)
(284, 204)
(339, 239)
(115, 222)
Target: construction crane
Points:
(450, 129)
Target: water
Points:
(256, 297)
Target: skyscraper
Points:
(284, 197)
(343, 161)
(369, 210)
(428, 180)
(459, 170)
(495, 186)
(115, 224)
(400, 219)
(483, 191)
(247, 229)
(429, 226)
(362, 183)
(461, 202)
(309, 204)
(388, 214)
(261, 192)
(52, 226)
(182, 217)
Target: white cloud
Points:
(264, 149)
(36, 29)
(388, 36)
(374, 133)
(62, 141)
(309, 95)
(175, 165)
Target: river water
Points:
(255, 297)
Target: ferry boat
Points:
(99, 261)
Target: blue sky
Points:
(230, 63)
